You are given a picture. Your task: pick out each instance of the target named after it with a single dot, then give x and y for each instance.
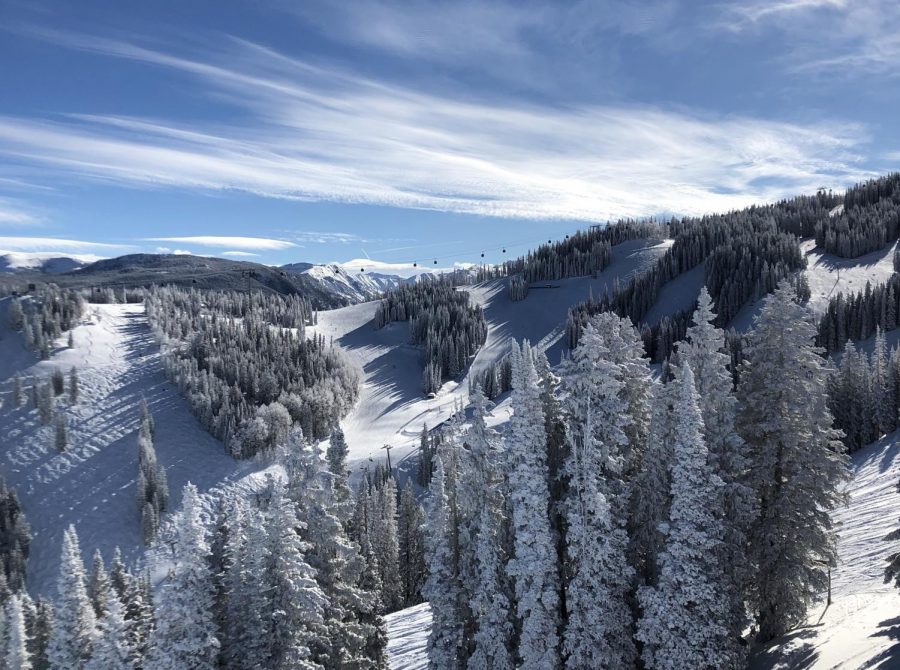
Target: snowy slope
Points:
(391, 408)
(49, 262)
(354, 287)
(92, 484)
(861, 629)
(408, 636)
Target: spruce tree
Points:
(112, 646)
(598, 629)
(534, 568)
(73, 627)
(185, 631)
(17, 654)
(704, 351)
(442, 586)
(797, 463)
(685, 616)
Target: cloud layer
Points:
(224, 241)
(310, 132)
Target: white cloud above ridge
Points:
(322, 134)
(59, 245)
(256, 243)
(240, 254)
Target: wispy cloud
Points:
(314, 237)
(48, 243)
(14, 213)
(239, 254)
(832, 37)
(311, 132)
(258, 243)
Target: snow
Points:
(21, 261)
(354, 286)
(829, 275)
(92, 484)
(408, 637)
(861, 627)
(391, 408)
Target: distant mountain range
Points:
(327, 286)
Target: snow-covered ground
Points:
(861, 629)
(391, 408)
(407, 637)
(92, 484)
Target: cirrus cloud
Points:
(258, 243)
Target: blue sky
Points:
(424, 130)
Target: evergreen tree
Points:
(98, 584)
(73, 627)
(112, 647)
(185, 632)
(17, 655)
(410, 518)
(442, 587)
(685, 616)
(704, 351)
(797, 464)
(534, 568)
(598, 629)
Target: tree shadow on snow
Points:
(802, 657)
(889, 659)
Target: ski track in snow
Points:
(408, 636)
(93, 483)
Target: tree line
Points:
(868, 219)
(621, 521)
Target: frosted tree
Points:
(885, 407)
(336, 455)
(651, 493)
(797, 464)
(152, 486)
(442, 586)
(482, 565)
(112, 646)
(385, 543)
(73, 627)
(704, 351)
(534, 569)
(98, 584)
(185, 632)
(298, 602)
(597, 632)
(410, 518)
(73, 385)
(18, 395)
(17, 654)
(61, 433)
(684, 622)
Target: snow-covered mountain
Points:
(353, 286)
(47, 262)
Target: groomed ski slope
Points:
(93, 483)
(861, 629)
(391, 408)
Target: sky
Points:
(382, 134)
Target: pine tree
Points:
(797, 464)
(185, 632)
(598, 628)
(410, 518)
(684, 623)
(18, 396)
(297, 602)
(534, 569)
(98, 584)
(442, 587)
(704, 351)
(112, 646)
(72, 633)
(73, 385)
(882, 387)
(386, 545)
(17, 655)
(61, 435)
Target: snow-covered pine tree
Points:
(534, 568)
(73, 627)
(349, 617)
(297, 601)
(152, 488)
(39, 624)
(112, 646)
(410, 518)
(685, 616)
(797, 462)
(704, 351)
(17, 654)
(482, 557)
(442, 587)
(385, 544)
(882, 387)
(98, 584)
(18, 394)
(185, 631)
(651, 488)
(73, 385)
(598, 629)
